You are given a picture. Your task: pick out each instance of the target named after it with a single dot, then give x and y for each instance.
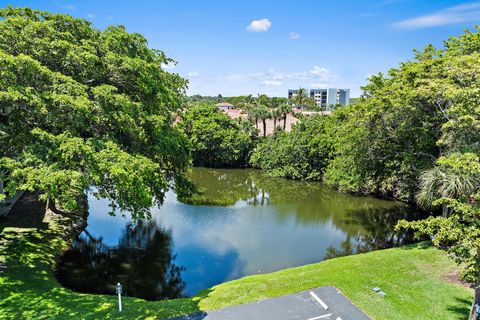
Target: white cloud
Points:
(293, 36)
(192, 74)
(319, 85)
(320, 72)
(109, 18)
(271, 83)
(261, 25)
(274, 75)
(91, 15)
(316, 74)
(70, 6)
(169, 65)
(457, 14)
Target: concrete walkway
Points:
(325, 303)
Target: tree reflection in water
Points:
(266, 222)
(378, 230)
(142, 262)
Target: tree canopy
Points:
(414, 135)
(216, 139)
(82, 107)
(459, 229)
(302, 153)
(407, 119)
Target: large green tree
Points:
(419, 111)
(81, 107)
(415, 135)
(454, 181)
(460, 230)
(217, 140)
(301, 154)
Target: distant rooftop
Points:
(225, 105)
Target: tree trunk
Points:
(264, 127)
(51, 205)
(476, 298)
(444, 211)
(256, 123)
(284, 121)
(274, 123)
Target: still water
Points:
(253, 224)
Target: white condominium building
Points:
(326, 97)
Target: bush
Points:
(217, 140)
(300, 154)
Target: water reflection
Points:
(378, 230)
(142, 261)
(262, 225)
(247, 186)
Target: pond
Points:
(253, 224)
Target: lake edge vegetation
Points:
(30, 254)
(82, 107)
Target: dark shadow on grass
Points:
(28, 212)
(29, 289)
(461, 308)
(419, 245)
(198, 315)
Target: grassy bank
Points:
(416, 279)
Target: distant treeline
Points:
(235, 100)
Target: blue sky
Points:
(246, 47)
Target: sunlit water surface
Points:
(265, 225)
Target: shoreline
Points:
(29, 288)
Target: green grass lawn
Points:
(414, 277)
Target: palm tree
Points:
(262, 113)
(248, 105)
(247, 102)
(261, 110)
(274, 103)
(276, 114)
(301, 97)
(310, 103)
(285, 109)
(441, 182)
(253, 115)
(263, 99)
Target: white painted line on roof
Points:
(321, 317)
(338, 318)
(323, 304)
